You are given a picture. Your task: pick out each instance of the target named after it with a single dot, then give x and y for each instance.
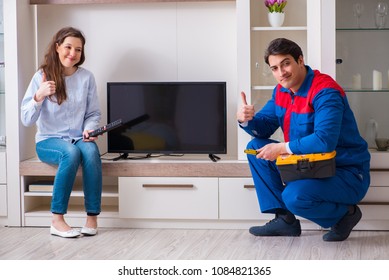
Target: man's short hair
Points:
(283, 46)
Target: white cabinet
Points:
(302, 24)
(2, 80)
(3, 184)
(36, 204)
(3, 167)
(3, 200)
(361, 48)
(375, 204)
(238, 200)
(168, 198)
(365, 78)
(379, 188)
(217, 200)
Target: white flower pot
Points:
(276, 19)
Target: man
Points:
(314, 114)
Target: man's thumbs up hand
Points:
(243, 96)
(245, 112)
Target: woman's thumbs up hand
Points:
(46, 88)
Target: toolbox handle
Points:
(303, 165)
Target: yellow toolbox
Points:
(294, 167)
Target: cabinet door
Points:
(168, 198)
(378, 192)
(3, 169)
(2, 80)
(3, 186)
(375, 217)
(363, 66)
(238, 200)
(3, 200)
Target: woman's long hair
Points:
(52, 66)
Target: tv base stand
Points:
(213, 157)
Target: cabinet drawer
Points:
(238, 200)
(377, 195)
(3, 200)
(168, 198)
(375, 212)
(379, 188)
(379, 178)
(3, 169)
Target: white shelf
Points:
(262, 87)
(108, 191)
(282, 28)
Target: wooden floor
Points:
(174, 244)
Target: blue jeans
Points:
(324, 201)
(68, 156)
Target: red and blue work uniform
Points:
(315, 119)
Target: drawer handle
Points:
(179, 186)
(249, 186)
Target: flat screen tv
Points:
(167, 117)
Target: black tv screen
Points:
(167, 117)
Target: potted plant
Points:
(276, 13)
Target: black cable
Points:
(125, 156)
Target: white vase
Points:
(276, 19)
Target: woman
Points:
(62, 101)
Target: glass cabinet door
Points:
(362, 40)
(2, 93)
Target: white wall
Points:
(153, 42)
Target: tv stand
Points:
(122, 156)
(213, 157)
(125, 156)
